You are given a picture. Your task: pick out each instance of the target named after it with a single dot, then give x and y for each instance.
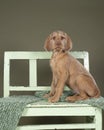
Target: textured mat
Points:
(96, 102)
(11, 108)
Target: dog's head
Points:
(58, 40)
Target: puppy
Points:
(68, 71)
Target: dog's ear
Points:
(69, 43)
(47, 45)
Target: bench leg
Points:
(98, 119)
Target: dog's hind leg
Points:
(76, 97)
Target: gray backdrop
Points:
(25, 24)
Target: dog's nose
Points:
(58, 43)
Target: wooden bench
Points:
(69, 109)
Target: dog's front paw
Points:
(53, 99)
(70, 99)
(50, 94)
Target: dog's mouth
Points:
(58, 48)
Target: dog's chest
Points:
(53, 63)
(57, 61)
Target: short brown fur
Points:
(68, 71)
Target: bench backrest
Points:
(33, 57)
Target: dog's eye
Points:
(53, 37)
(62, 37)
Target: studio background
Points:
(25, 24)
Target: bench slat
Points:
(58, 126)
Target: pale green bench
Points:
(45, 109)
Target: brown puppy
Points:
(67, 70)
